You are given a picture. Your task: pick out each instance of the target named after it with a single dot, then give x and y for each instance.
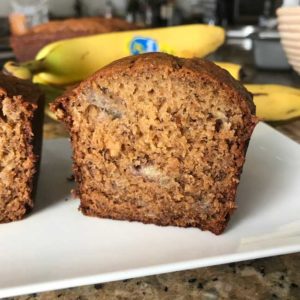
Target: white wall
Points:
(4, 7)
(61, 7)
(66, 7)
(92, 7)
(58, 7)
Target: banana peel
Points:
(233, 69)
(17, 70)
(69, 61)
(275, 102)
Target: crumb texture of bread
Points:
(27, 45)
(159, 139)
(21, 111)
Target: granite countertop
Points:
(262, 279)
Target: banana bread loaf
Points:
(27, 45)
(21, 118)
(159, 139)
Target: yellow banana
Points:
(72, 60)
(275, 102)
(271, 89)
(12, 68)
(233, 69)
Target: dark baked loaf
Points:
(159, 139)
(27, 45)
(21, 119)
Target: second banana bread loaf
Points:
(21, 124)
(27, 45)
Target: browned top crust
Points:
(12, 86)
(89, 25)
(184, 67)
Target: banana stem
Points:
(23, 70)
(34, 66)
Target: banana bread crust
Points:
(187, 191)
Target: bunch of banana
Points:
(69, 61)
(275, 102)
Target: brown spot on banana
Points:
(290, 111)
(260, 94)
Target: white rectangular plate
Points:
(57, 247)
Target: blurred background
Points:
(251, 25)
(252, 37)
(245, 20)
(155, 12)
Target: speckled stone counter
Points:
(261, 279)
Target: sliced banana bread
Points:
(159, 139)
(21, 118)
